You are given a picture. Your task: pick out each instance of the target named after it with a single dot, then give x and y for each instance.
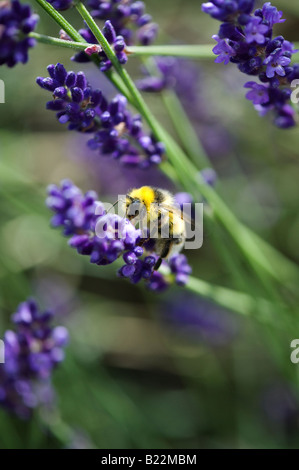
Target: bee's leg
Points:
(158, 264)
(164, 254)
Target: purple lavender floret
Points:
(180, 268)
(136, 269)
(114, 131)
(105, 237)
(61, 4)
(276, 63)
(255, 31)
(246, 38)
(259, 94)
(271, 15)
(125, 17)
(32, 352)
(16, 21)
(223, 50)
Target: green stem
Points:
(65, 25)
(192, 51)
(80, 46)
(138, 100)
(98, 35)
(184, 129)
(237, 301)
(134, 96)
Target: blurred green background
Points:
(145, 370)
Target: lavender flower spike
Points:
(246, 38)
(112, 128)
(16, 22)
(32, 352)
(105, 237)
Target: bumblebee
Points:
(159, 217)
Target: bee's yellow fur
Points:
(145, 194)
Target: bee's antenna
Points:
(113, 205)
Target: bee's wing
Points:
(175, 210)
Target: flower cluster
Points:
(114, 130)
(16, 22)
(246, 38)
(117, 43)
(136, 269)
(119, 17)
(124, 15)
(128, 18)
(32, 351)
(105, 237)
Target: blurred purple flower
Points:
(200, 320)
(16, 22)
(32, 351)
(173, 73)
